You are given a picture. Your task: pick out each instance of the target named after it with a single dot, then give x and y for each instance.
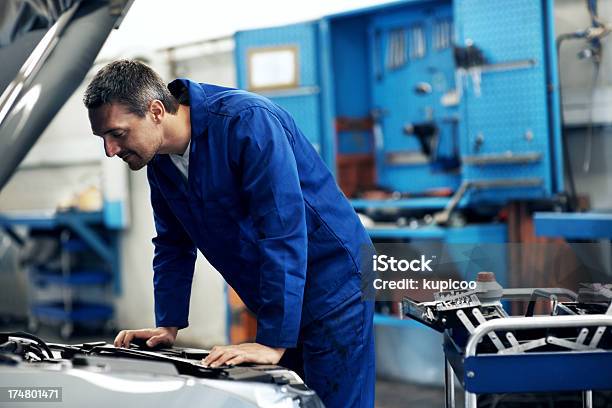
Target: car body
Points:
(101, 375)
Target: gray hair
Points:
(130, 83)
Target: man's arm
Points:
(173, 262)
(173, 265)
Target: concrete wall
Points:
(578, 75)
(586, 100)
(208, 61)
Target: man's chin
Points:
(136, 165)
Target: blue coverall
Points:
(265, 211)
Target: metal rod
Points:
(526, 293)
(504, 158)
(449, 385)
(443, 216)
(508, 66)
(587, 399)
(518, 323)
(286, 93)
(471, 400)
(582, 336)
(481, 319)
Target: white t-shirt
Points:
(181, 161)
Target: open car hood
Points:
(46, 48)
(100, 375)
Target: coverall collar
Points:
(198, 114)
(198, 106)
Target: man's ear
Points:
(157, 110)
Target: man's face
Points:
(133, 138)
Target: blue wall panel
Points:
(303, 35)
(305, 106)
(351, 67)
(394, 96)
(510, 113)
(344, 73)
(351, 72)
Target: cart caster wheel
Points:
(66, 331)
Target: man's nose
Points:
(111, 147)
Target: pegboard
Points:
(510, 113)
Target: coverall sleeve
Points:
(173, 262)
(263, 152)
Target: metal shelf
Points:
(82, 224)
(80, 312)
(76, 277)
(429, 232)
(590, 226)
(434, 203)
(387, 320)
(471, 233)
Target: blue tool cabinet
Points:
(496, 121)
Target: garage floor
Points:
(390, 394)
(393, 394)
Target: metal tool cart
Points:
(67, 276)
(492, 352)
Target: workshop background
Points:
(471, 152)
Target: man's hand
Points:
(243, 353)
(159, 336)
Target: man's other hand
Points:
(160, 336)
(243, 353)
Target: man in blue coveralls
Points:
(232, 175)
